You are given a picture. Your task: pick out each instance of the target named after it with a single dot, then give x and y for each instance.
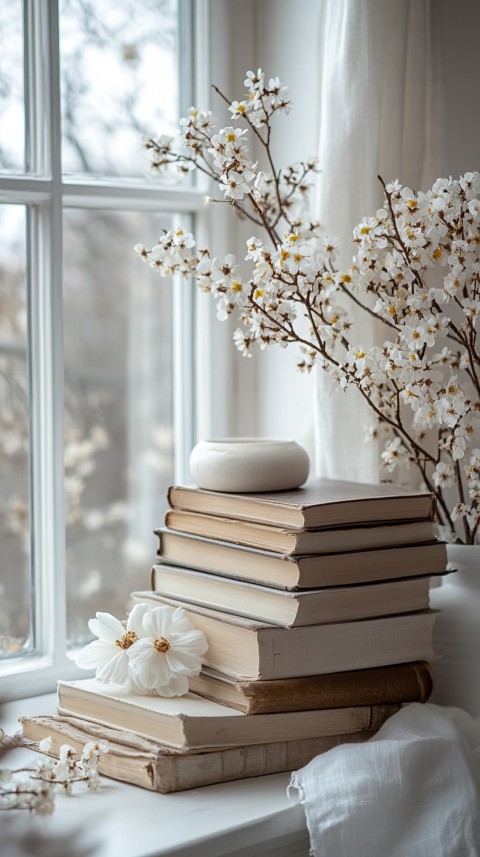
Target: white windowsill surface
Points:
(245, 818)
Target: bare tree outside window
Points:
(15, 615)
(119, 74)
(118, 414)
(12, 130)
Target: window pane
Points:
(119, 80)
(118, 454)
(11, 87)
(15, 587)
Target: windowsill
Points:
(245, 818)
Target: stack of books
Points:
(315, 605)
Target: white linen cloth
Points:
(413, 790)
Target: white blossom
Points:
(110, 653)
(168, 652)
(415, 266)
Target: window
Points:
(96, 351)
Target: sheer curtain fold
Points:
(380, 114)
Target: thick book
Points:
(247, 648)
(399, 683)
(305, 572)
(319, 503)
(291, 608)
(281, 540)
(150, 765)
(191, 722)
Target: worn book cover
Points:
(319, 503)
(192, 722)
(399, 683)
(140, 761)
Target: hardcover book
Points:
(247, 648)
(191, 722)
(319, 503)
(304, 572)
(150, 765)
(398, 683)
(291, 608)
(281, 540)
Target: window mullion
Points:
(46, 340)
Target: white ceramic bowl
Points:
(249, 464)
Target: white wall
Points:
(286, 46)
(280, 36)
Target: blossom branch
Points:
(399, 252)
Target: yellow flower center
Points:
(237, 287)
(127, 640)
(437, 254)
(359, 355)
(231, 137)
(346, 278)
(162, 645)
(179, 232)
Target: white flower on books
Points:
(109, 654)
(168, 653)
(153, 653)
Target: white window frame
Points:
(45, 194)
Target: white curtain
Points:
(380, 114)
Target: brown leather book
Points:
(400, 683)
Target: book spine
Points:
(202, 769)
(167, 772)
(378, 715)
(404, 683)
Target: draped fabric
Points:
(380, 113)
(413, 790)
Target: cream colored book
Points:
(192, 722)
(282, 540)
(319, 503)
(291, 608)
(150, 765)
(305, 572)
(247, 648)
